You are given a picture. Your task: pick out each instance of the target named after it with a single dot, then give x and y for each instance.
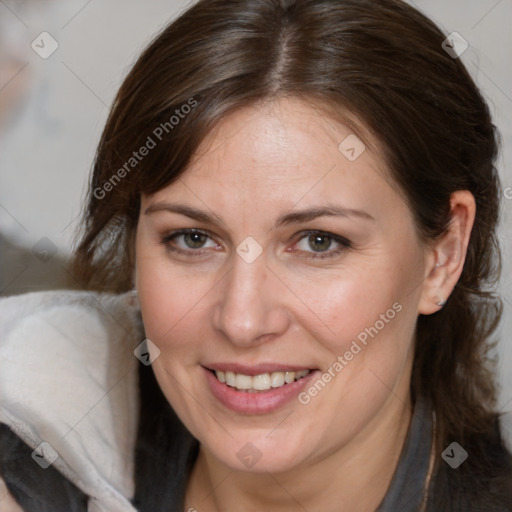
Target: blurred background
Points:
(61, 63)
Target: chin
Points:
(256, 454)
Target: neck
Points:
(359, 474)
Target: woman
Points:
(303, 195)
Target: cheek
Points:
(157, 293)
(172, 298)
(164, 299)
(342, 306)
(366, 315)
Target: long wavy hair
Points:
(381, 61)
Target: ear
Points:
(446, 256)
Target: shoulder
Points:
(483, 482)
(35, 486)
(70, 386)
(7, 502)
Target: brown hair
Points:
(380, 60)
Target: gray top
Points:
(407, 486)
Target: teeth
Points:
(289, 377)
(243, 381)
(230, 379)
(277, 379)
(262, 382)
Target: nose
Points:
(250, 309)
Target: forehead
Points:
(271, 156)
(280, 138)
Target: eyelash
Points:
(191, 252)
(344, 244)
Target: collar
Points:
(407, 487)
(69, 379)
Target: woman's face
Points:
(302, 256)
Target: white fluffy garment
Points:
(68, 379)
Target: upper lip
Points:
(256, 369)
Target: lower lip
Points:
(255, 403)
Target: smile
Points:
(258, 389)
(259, 383)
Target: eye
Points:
(324, 245)
(188, 241)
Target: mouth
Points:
(259, 383)
(258, 389)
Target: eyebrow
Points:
(321, 211)
(183, 209)
(293, 217)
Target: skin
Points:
(258, 163)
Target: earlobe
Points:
(448, 254)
